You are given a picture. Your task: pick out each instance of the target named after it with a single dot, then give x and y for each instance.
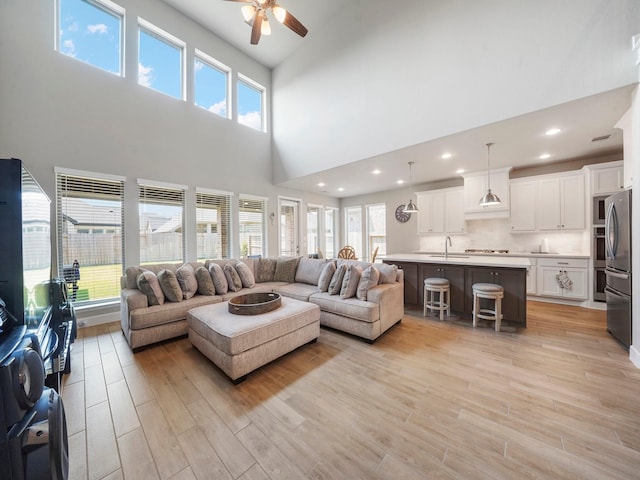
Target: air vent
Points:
(601, 137)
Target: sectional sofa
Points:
(358, 298)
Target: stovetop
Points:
(484, 250)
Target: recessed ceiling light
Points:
(446, 155)
(341, 189)
(376, 172)
(400, 182)
(321, 184)
(544, 156)
(460, 171)
(552, 131)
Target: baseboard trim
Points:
(634, 356)
(101, 319)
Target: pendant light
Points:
(410, 207)
(489, 198)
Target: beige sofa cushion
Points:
(205, 283)
(170, 286)
(187, 280)
(350, 281)
(233, 279)
(349, 307)
(246, 275)
(266, 269)
(219, 279)
(335, 285)
(170, 312)
(326, 276)
(309, 270)
(388, 273)
(299, 291)
(368, 280)
(286, 269)
(148, 284)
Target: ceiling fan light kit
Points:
(489, 198)
(255, 14)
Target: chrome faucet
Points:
(446, 248)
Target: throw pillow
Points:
(350, 281)
(148, 284)
(205, 283)
(369, 279)
(170, 286)
(233, 279)
(265, 269)
(309, 270)
(388, 273)
(326, 276)
(132, 274)
(246, 275)
(286, 270)
(187, 280)
(219, 279)
(336, 281)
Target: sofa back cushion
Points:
(246, 274)
(350, 281)
(132, 273)
(205, 283)
(187, 280)
(368, 280)
(147, 282)
(286, 269)
(170, 286)
(325, 277)
(219, 279)
(336, 281)
(265, 269)
(233, 279)
(388, 273)
(309, 270)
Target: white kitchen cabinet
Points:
(606, 181)
(441, 211)
(475, 186)
(532, 274)
(430, 212)
(561, 203)
(523, 205)
(550, 270)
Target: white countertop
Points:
(511, 254)
(505, 261)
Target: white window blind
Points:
(213, 225)
(353, 224)
(90, 219)
(376, 230)
(252, 222)
(313, 229)
(161, 211)
(330, 232)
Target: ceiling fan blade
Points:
(256, 30)
(294, 24)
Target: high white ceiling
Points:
(518, 142)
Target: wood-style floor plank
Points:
(428, 400)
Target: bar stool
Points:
(442, 303)
(489, 291)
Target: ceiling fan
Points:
(255, 14)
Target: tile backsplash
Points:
(496, 234)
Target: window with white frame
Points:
(251, 217)
(90, 219)
(91, 31)
(250, 104)
(213, 224)
(161, 213)
(376, 230)
(160, 60)
(353, 229)
(314, 219)
(330, 232)
(211, 84)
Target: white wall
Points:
(384, 76)
(57, 111)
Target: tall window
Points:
(91, 31)
(376, 230)
(213, 224)
(313, 229)
(330, 232)
(161, 213)
(160, 60)
(89, 210)
(353, 224)
(252, 225)
(211, 84)
(250, 103)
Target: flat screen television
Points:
(25, 247)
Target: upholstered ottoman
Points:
(238, 344)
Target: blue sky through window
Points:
(159, 64)
(90, 33)
(249, 105)
(210, 88)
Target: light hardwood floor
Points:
(429, 399)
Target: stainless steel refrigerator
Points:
(618, 266)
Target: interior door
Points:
(289, 227)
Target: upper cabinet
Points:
(523, 205)
(561, 203)
(476, 185)
(607, 180)
(440, 211)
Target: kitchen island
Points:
(463, 271)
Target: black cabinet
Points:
(514, 282)
(455, 275)
(412, 292)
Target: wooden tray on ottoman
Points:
(254, 303)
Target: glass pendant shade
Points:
(280, 13)
(248, 11)
(265, 28)
(489, 198)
